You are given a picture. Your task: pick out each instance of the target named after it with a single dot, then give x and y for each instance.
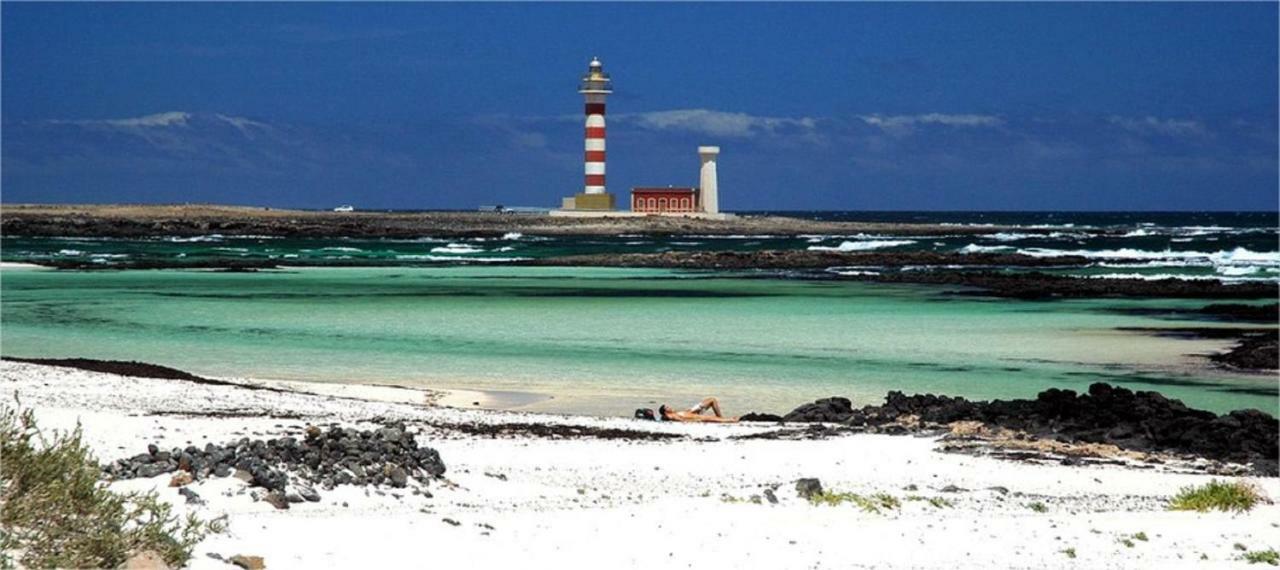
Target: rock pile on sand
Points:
(288, 469)
(1145, 421)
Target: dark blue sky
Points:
(815, 106)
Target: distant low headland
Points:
(183, 220)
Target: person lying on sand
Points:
(694, 414)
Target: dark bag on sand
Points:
(644, 414)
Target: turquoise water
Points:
(608, 340)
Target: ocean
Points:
(441, 313)
(1233, 246)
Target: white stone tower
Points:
(707, 179)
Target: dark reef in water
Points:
(969, 270)
(1253, 352)
(1140, 421)
(805, 259)
(1256, 350)
(1036, 285)
(1269, 313)
(1221, 312)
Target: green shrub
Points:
(56, 512)
(1038, 507)
(1235, 496)
(1268, 556)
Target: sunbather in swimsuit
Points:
(694, 414)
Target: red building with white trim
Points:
(664, 200)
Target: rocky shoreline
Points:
(1256, 349)
(1109, 415)
(1253, 352)
(1125, 420)
(128, 221)
(804, 259)
(1037, 285)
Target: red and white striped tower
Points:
(595, 87)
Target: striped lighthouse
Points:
(595, 86)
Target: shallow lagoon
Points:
(601, 340)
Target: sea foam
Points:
(846, 246)
(975, 248)
(1237, 256)
(456, 248)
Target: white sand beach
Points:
(538, 502)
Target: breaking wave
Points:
(457, 248)
(195, 239)
(846, 246)
(1015, 236)
(975, 248)
(427, 257)
(1237, 256)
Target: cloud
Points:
(904, 124)
(166, 120)
(717, 123)
(246, 126)
(1155, 126)
(186, 156)
(169, 119)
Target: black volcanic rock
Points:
(1259, 352)
(1143, 421)
(759, 417)
(832, 410)
(1269, 313)
(338, 456)
(1038, 285)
